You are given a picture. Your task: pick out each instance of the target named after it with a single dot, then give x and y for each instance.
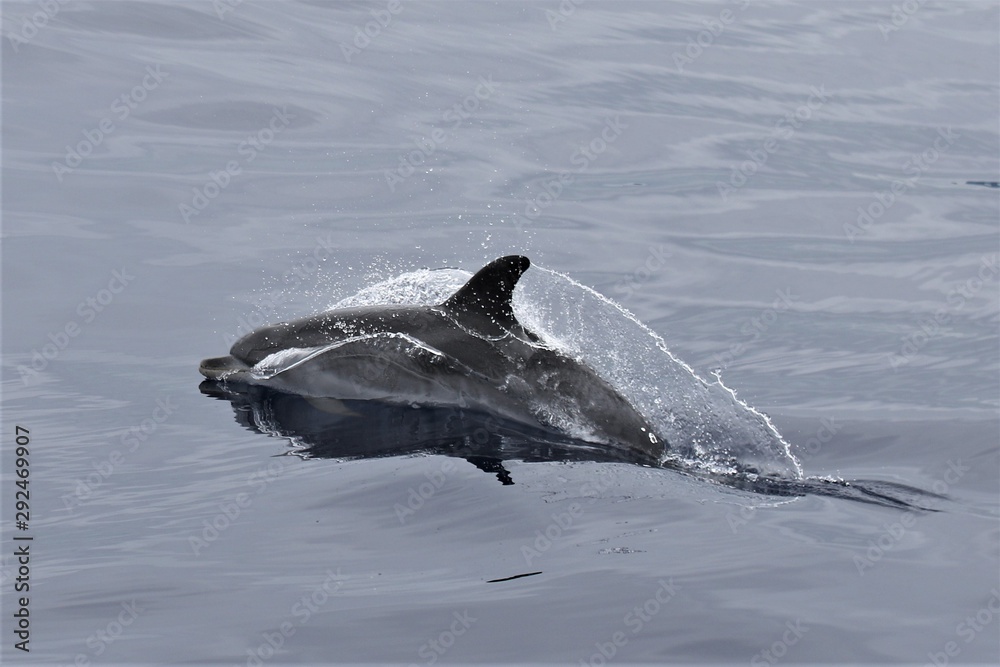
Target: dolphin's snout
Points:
(218, 368)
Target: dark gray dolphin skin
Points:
(469, 351)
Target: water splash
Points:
(421, 287)
(706, 424)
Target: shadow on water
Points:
(361, 429)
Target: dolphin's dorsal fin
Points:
(489, 292)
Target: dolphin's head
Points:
(246, 352)
(221, 368)
(262, 342)
(482, 304)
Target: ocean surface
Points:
(800, 200)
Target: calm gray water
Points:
(801, 195)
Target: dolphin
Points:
(468, 352)
(461, 378)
